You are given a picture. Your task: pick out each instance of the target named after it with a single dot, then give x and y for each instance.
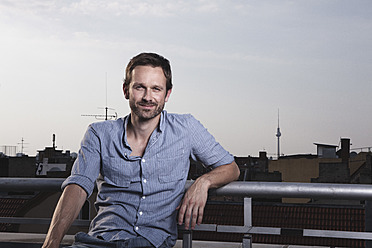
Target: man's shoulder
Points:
(176, 116)
(107, 125)
(178, 119)
(181, 121)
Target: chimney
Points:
(345, 150)
(54, 141)
(263, 155)
(263, 161)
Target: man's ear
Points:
(126, 91)
(168, 95)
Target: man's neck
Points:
(139, 132)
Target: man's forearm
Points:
(68, 208)
(220, 176)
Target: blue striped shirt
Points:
(139, 195)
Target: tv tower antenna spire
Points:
(278, 134)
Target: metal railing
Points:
(243, 189)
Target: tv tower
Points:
(278, 134)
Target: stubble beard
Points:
(146, 114)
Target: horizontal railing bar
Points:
(39, 221)
(337, 234)
(233, 229)
(297, 190)
(265, 230)
(306, 232)
(30, 184)
(202, 227)
(250, 189)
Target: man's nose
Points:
(147, 95)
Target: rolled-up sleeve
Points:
(87, 165)
(204, 146)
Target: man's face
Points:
(147, 92)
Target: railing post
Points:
(368, 220)
(247, 212)
(187, 239)
(247, 239)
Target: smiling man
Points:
(140, 164)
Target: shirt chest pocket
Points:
(117, 172)
(172, 170)
(173, 163)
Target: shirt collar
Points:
(125, 141)
(162, 120)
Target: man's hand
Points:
(193, 203)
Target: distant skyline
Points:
(235, 63)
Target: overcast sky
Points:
(235, 63)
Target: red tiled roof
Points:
(346, 218)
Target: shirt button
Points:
(144, 180)
(136, 228)
(143, 197)
(141, 213)
(143, 160)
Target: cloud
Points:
(102, 8)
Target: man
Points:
(140, 164)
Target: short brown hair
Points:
(151, 59)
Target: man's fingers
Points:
(194, 217)
(188, 215)
(200, 216)
(181, 213)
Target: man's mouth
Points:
(147, 105)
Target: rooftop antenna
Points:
(22, 145)
(106, 116)
(278, 134)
